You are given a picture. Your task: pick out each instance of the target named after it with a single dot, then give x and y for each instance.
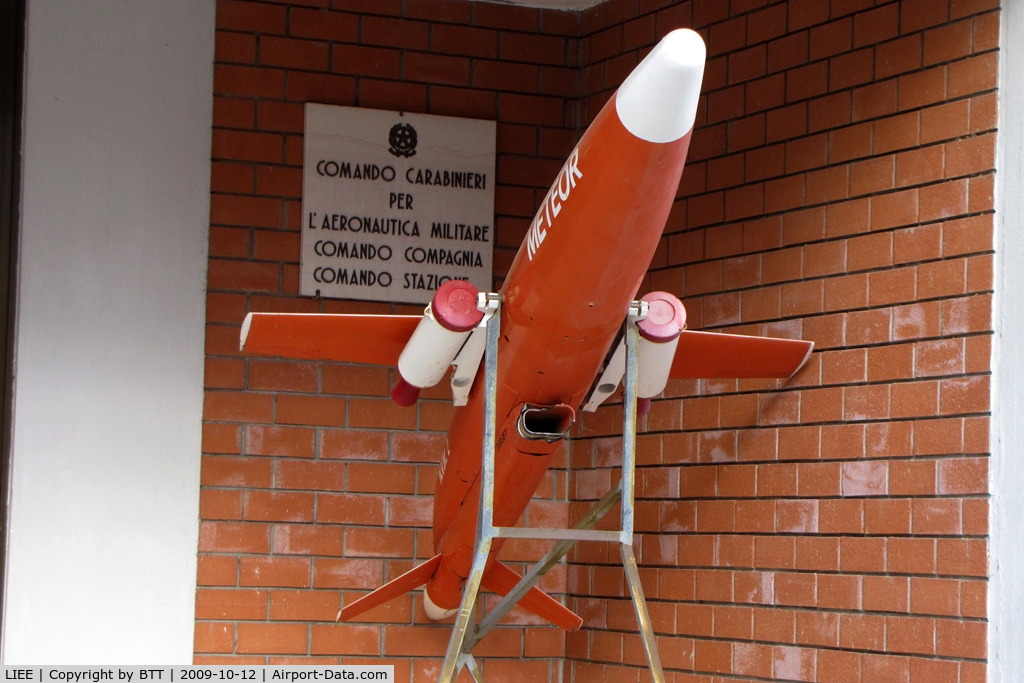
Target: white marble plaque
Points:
(394, 205)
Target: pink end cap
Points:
(454, 306)
(666, 318)
(404, 394)
(643, 406)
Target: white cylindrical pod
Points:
(446, 323)
(659, 336)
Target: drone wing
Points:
(709, 355)
(372, 339)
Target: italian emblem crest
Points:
(402, 139)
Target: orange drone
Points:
(560, 336)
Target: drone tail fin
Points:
(411, 580)
(501, 579)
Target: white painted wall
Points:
(1006, 553)
(109, 349)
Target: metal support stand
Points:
(466, 633)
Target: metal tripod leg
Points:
(636, 591)
(537, 572)
(467, 661)
(485, 532)
(643, 618)
(464, 637)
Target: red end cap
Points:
(454, 306)
(665, 319)
(404, 394)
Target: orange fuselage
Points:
(563, 303)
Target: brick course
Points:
(316, 488)
(839, 188)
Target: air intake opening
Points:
(547, 423)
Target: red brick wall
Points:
(314, 485)
(839, 188)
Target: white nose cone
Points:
(658, 101)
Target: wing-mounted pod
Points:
(608, 380)
(466, 365)
(659, 337)
(441, 333)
